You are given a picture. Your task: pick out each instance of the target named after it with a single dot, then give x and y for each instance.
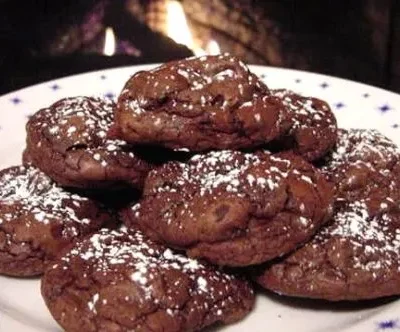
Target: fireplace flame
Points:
(109, 42)
(177, 28)
(213, 48)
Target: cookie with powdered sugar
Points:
(198, 104)
(38, 219)
(367, 145)
(122, 281)
(313, 127)
(362, 161)
(356, 257)
(68, 141)
(233, 208)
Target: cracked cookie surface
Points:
(38, 219)
(356, 256)
(68, 141)
(362, 161)
(211, 102)
(313, 127)
(122, 281)
(233, 208)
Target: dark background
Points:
(355, 39)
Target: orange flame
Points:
(177, 28)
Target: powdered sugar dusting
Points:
(306, 112)
(142, 262)
(31, 191)
(374, 238)
(79, 122)
(366, 145)
(222, 171)
(195, 76)
(220, 174)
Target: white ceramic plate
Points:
(356, 105)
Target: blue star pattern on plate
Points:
(324, 85)
(339, 105)
(388, 325)
(365, 95)
(103, 77)
(297, 80)
(384, 108)
(16, 100)
(110, 95)
(396, 125)
(55, 87)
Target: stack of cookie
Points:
(356, 255)
(209, 170)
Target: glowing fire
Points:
(109, 42)
(213, 47)
(177, 28)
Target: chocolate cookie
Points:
(362, 145)
(233, 208)
(68, 141)
(313, 129)
(211, 102)
(121, 281)
(37, 219)
(356, 257)
(362, 161)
